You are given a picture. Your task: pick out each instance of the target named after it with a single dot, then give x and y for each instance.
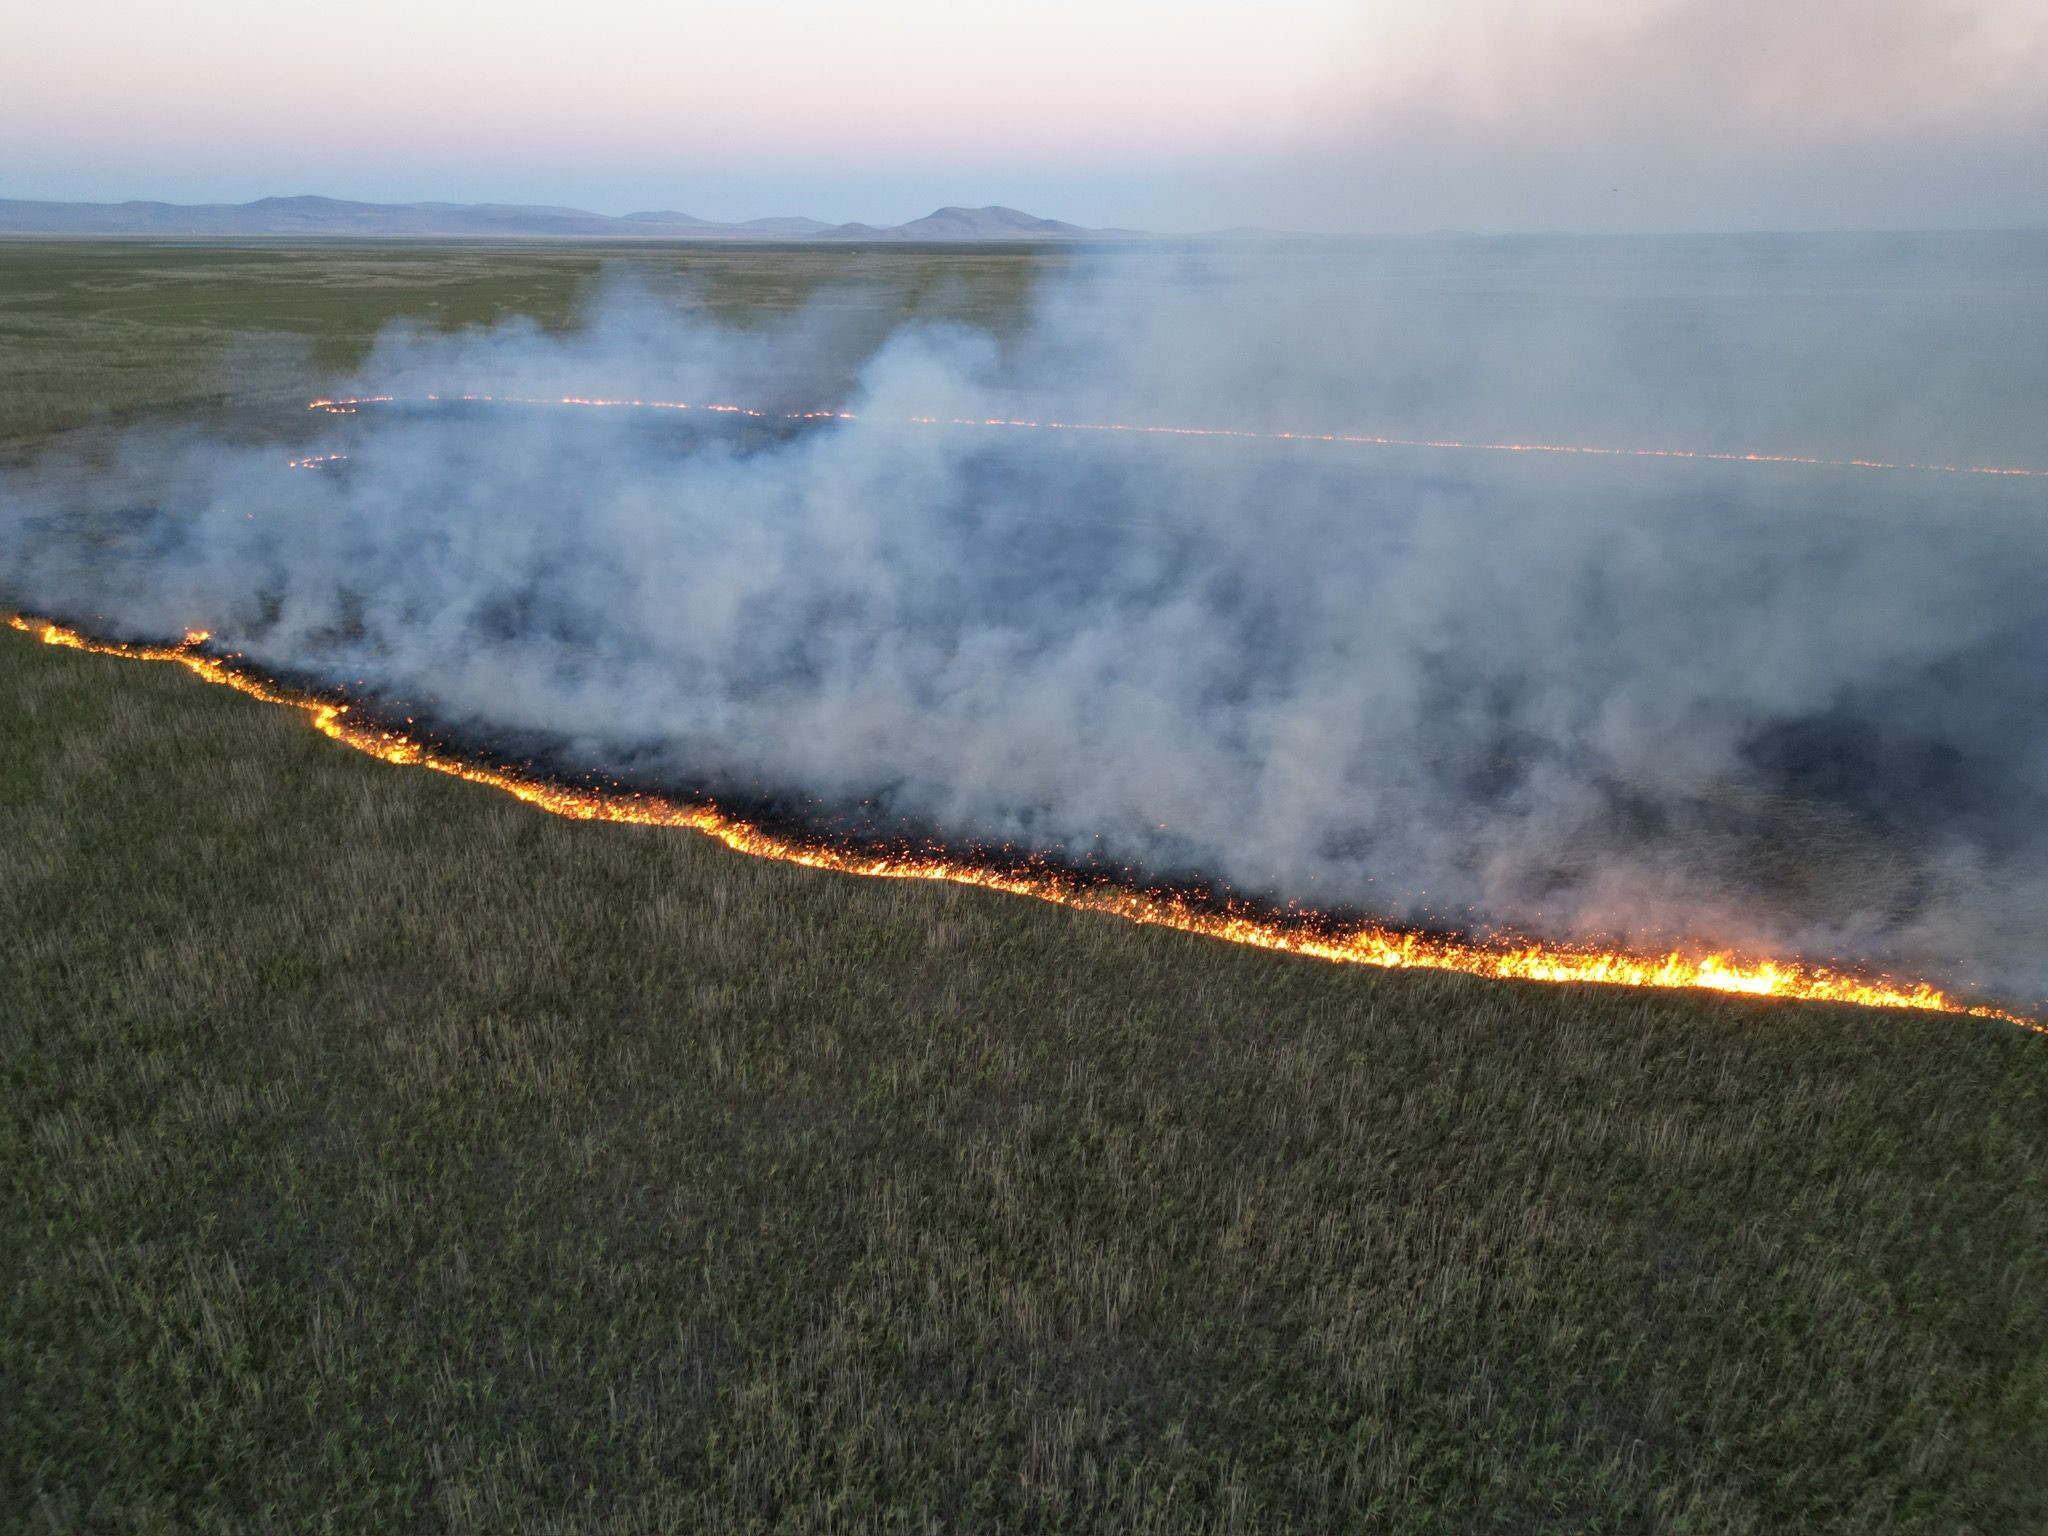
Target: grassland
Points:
(93, 332)
(380, 1154)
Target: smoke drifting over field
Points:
(1761, 705)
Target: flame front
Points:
(1358, 943)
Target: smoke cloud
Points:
(1653, 701)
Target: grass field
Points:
(97, 331)
(381, 1154)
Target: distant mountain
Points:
(786, 226)
(327, 216)
(298, 216)
(988, 224)
(669, 218)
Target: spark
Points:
(1361, 943)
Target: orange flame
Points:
(1358, 943)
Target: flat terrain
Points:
(381, 1154)
(93, 332)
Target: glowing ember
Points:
(348, 407)
(1358, 943)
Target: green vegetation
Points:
(381, 1154)
(91, 331)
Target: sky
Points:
(1327, 115)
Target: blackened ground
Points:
(385, 1154)
(1887, 819)
(381, 1155)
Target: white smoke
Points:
(1658, 702)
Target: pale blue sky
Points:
(1310, 114)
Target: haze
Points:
(1304, 114)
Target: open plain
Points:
(384, 1154)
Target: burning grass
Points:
(90, 330)
(387, 1153)
(1312, 934)
(382, 1154)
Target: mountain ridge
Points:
(313, 215)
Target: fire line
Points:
(1361, 943)
(351, 406)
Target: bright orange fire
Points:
(349, 407)
(1356, 943)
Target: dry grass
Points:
(97, 331)
(384, 1153)
(380, 1154)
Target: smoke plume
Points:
(1782, 707)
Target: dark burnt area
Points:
(865, 829)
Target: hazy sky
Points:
(1311, 114)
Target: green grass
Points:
(381, 1154)
(97, 331)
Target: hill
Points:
(334, 217)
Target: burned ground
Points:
(381, 1152)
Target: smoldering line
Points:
(348, 406)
